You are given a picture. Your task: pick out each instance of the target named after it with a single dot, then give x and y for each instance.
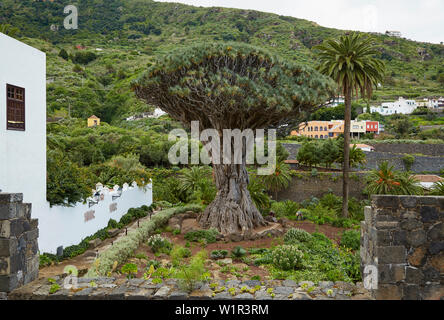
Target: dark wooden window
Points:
(15, 108)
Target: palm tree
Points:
(193, 179)
(385, 180)
(278, 180)
(258, 192)
(8, 30)
(350, 62)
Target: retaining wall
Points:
(403, 237)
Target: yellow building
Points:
(93, 121)
(329, 129)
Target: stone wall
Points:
(390, 153)
(306, 186)
(19, 258)
(436, 150)
(403, 237)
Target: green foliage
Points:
(287, 257)
(218, 254)
(294, 236)
(286, 208)
(159, 244)
(351, 239)
(123, 249)
(130, 269)
(238, 252)
(178, 254)
(209, 236)
(408, 161)
(438, 189)
(278, 180)
(83, 57)
(190, 273)
(386, 180)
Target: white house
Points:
(23, 154)
(402, 106)
(23, 121)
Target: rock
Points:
(326, 284)
(283, 290)
(271, 219)
(201, 295)
(162, 293)
(236, 237)
(263, 295)
(113, 232)
(174, 223)
(232, 283)
(226, 261)
(417, 258)
(178, 295)
(289, 283)
(3, 296)
(94, 243)
(251, 283)
(189, 225)
(284, 222)
(222, 296)
(244, 296)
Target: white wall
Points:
(65, 226)
(23, 153)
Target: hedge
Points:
(124, 248)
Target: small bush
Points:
(210, 236)
(287, 257)
(189, 274)
(218, 254)
(351, 239)
(296, 235)
(130, 269)
(238, 252)
(179, 253)
(159, 244)
(156, 264)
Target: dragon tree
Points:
(231, 86)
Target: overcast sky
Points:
(420, 20)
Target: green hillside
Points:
(122, 36)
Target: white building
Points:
(396, 34)
(336, 101)
(23, 154)
(23, 121)
(402, 106)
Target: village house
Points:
(23, 155)
(334, 128)
(402, 106)
(23, 121)
(93, 121)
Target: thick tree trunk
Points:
(232, 211)
(346, 164)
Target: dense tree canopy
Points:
(231, 86)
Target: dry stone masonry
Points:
(19, 258)
(403, 236)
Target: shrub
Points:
(210, 236)
(238, 252)
(123, 249)
(178, 254)
(296, 235)
(156, 264)
(219, 254)
(189, 274)
(287, 257)
(130, 269)
(159, 244)
(351, 239)
(408, 161)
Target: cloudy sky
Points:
(420, 20)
